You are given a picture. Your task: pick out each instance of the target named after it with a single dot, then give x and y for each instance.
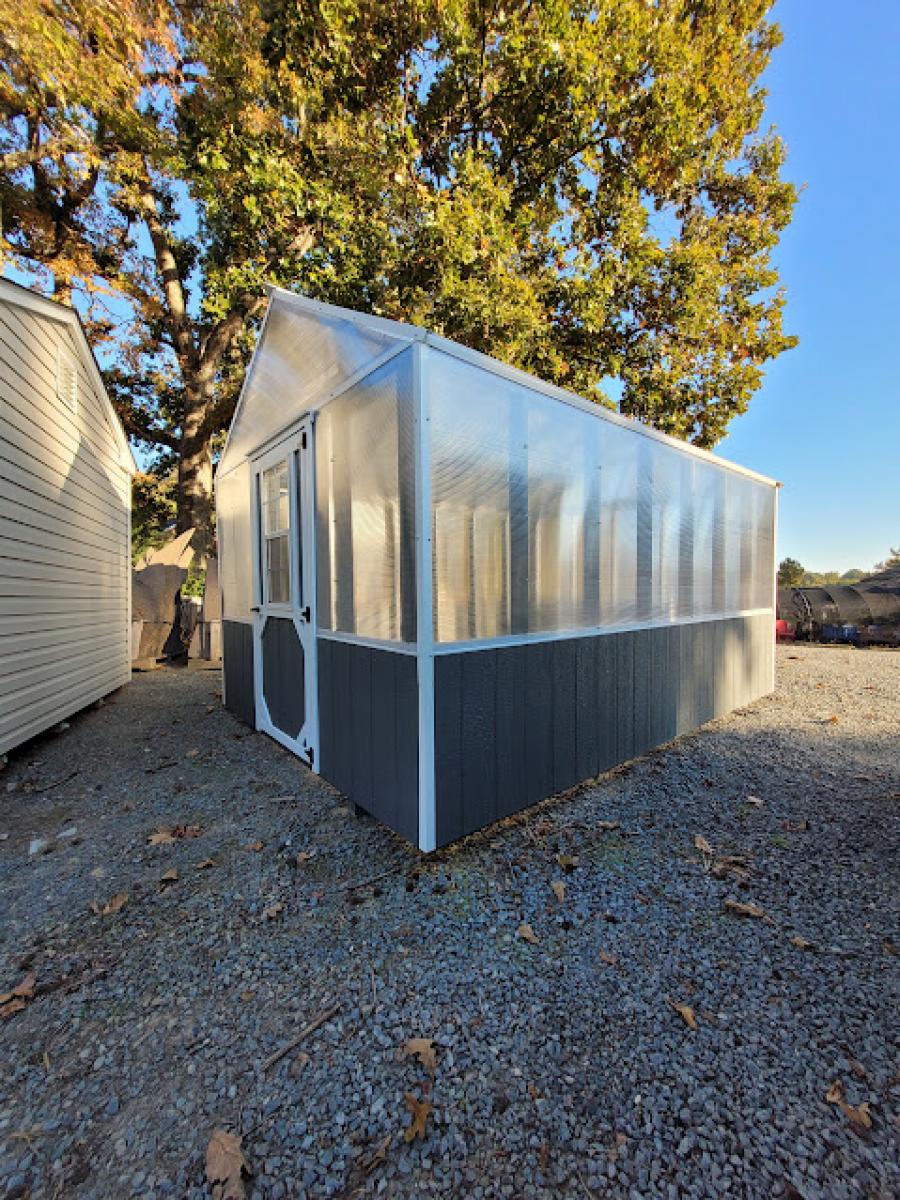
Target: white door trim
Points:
(298, 450)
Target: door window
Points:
(276, 522)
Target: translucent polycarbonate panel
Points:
(365, 506)
(547, 518)
(235, 542)
(302, 358)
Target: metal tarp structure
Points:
(466, 553)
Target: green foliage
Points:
(195, 581)
(790, 573)
(889, 563)
(582, 189)
(153, 497)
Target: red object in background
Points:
(785, 631)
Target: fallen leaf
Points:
(170, 876)
(856, 1066)
(544, 1155)
(610, 959)
(304, 856)
(685, 1012)
(15, 1001)
(205, 864)
(795, 826)
(833, 720)
(378, 1156)
(607, 826)
(801, 943)
(420, 1110)
(534, 1092)
(253, 846)
(162, 837)
(701, 844)
(274, 910)
(297, 1065)
(755, 801)
(746, 910)
(559, 889)
(888, 947)
(192, 753)
(423, 1050)
(568, 862)
(247, 995)
(859, 1116)
(98, 873)
(615, 1150)
(527, 934)
(23, 990)
(226, 1166)
(114, 905)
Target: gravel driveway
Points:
(563, 1065)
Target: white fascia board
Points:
(516, 375)
(239, 405)
(44, 306)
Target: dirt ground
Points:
(181, 899)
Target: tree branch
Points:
(173, 289)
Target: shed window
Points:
(276, 514)
(67, 378)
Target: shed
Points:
(454, 590)
(65, 516)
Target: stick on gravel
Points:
(314, 1024)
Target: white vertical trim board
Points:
(424, 608)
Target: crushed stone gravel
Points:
(563, 1064)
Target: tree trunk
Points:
(195, 474)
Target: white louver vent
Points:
(67, 378)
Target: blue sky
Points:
(826, 422)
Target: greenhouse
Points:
(454, 590)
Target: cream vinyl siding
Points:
(65, 524)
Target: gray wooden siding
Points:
(368, 730)
(520, 723)
(237, 667)
(65, 518)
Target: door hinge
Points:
(305, 614)
(303, 440)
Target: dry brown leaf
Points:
(420, 1110)
(888, 947)
(304, 856)
(534, 1092)
(859, 1116)
(527, 934)
(378, 1156)
(686, 1013)
(253, 846)
(15, 1001)
(615, 1150)
(170, 876)
(701, 844)
(607, 826)
(755, 801)
(544, 1155)
(423, 1050)
(795, 826)
(746, 910)
(610, 959)
(226, 1166)
(834, 720)
(162, 837)
(247, 995)
(191, 753)
(114, 905)
(568, 862)
(559, 889)
(205, 864)
(274, 910)
(801, 943)
(23, 990)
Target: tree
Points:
(790, 573)
(581, 189)
(889, 563)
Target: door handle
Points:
(305, 614)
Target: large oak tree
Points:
(582, 189)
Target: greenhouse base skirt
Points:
(514, 724)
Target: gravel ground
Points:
(562, 1067)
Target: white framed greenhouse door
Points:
(284, 616)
